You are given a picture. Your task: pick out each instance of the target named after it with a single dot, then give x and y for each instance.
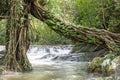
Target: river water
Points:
(53, 63)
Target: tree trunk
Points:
(104, 38)
(17, 38)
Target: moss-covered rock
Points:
(105, 65)
(95, 65)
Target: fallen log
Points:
(101, 37)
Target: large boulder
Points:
(106, 65)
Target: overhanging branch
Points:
(104, 38)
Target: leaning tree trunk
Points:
(103, 38)
(17, 38)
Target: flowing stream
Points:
(53, 63)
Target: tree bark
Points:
(104, 38)
(17, 38)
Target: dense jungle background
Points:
(60, 39)
(102, 14)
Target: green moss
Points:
(26, 67)
(110, 56)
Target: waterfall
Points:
(40, 54)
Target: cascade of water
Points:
(2, 48)
(42, 54)
(38, 54)
(2, 51)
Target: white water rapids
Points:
(51, 54)
(44, 54)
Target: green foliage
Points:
(110, 56)
(89, 13)
(86, 13)
(41, 34)
(4, 8)
(2, 32)
(103, 14)
(44, 35)
(62, 9)
(25, 65)
(90, 39)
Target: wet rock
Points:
(70, 57)
(106, 65)
(115, 65)
(1, 55)
(111, 66)
(2, 52)
(48, 56)
(115, 62)
(95, 65)
(47, 50)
